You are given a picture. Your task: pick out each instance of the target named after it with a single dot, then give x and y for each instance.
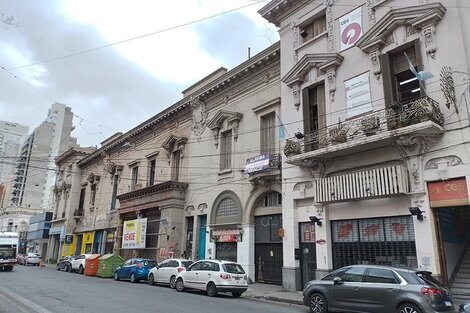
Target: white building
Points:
(12, 136)
(373, 144)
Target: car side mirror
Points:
(337, 280)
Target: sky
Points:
(116, 63)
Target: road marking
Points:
(36, 307)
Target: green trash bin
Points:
(108, 263)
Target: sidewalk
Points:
(273, 293)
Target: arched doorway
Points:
(268, 242)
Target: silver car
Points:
(370, 288)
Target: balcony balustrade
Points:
(364, 128)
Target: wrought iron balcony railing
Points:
(400, 115)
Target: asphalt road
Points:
(45, 290)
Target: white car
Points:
(214, 276)
(31, 258)
(78, 265)
(167, 271)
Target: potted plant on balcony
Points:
(291, 147)
(370, 125)
(338, 133)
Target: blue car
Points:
(135, 269)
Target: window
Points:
(227, 207)
(81, 201)
(380, 275)
(353, 274)
(152, 171)
(175, 165)
(400, 84)
(268, 127)
(271, 199)
(314, 28)
(93, 195)
(135, 177)
(196, 266)
(10, 226)
(115, 189)
(226, 150)
(314, 114)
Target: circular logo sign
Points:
(351, 33)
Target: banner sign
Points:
(452, 192)
(226, 235)
(257, 164)
(68, 239)
(358, 95)
(350, 28)
(134, 233)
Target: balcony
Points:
(78, 214)
(263, 169)
(370, 131)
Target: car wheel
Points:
(116, 276)
(236, 294)
(179, 285)
(173, 282)
(69, 268)
(57, 267)
(80, 269)
(133, 279)
(151, 280)
(317, 303)
(211, 290)
(408, 308)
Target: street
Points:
(45, 290)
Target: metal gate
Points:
(226, 251)
(268, 249)
(382, 241)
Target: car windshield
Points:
(233, 268)
(149, 263)
(187, 263)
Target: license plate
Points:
(237, 278)
(448, 303)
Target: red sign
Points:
(345, 230)
(321, 241)
(452, 192)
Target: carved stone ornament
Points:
(199, 116)
(110, 168)
(374, 58)
(201, 207)
(91, 178)
(451, 160)
(331, 75)
(371, 12)
(296, 95)
(292, 147)
(429, 34)
(303, 185)
(329, 25)
(317, 165)
(448, 87)
(415, 174)
(416, 144)
(190, 208)
(295, 42)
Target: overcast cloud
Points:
(118, 87)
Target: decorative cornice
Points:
(451, 160)
(152, 190)
(322, 61)
(215, 124)
(416, 16)
(277, 10)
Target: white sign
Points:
(256, 164)
(350, 28)
(134, 233)
(9, 239)
(358, 95)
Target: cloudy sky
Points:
(118, 86)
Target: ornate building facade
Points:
(377, 171)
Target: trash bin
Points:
(91, 264)
(108, 263)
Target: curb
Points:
(275, 299)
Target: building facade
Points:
(12, 135)
(376, 169)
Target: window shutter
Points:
(306, 109)
(419, 64)
(387, 79)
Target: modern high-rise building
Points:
(12, 135)
(35, 167)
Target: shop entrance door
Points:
(201, 255)
(308, 255)
(78, 245)
(268, 249)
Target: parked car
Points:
(167, 271)
(134, 269)
(64, 263)
(214, 276)
(369, 288)
(464, 307)
(78, 264)
(31, 258)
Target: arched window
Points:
(227, 209)
(270, 199)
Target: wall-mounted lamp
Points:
(416, 211)
(304, 33)
(299, 135)
(241, 231)
(316, 220)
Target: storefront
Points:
(450, 205)
(307, 251)
(381, 241)
(226, 240)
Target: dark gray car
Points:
(373, 289)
